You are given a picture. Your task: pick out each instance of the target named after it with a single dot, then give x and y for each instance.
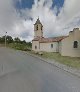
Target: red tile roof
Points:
(46, 40)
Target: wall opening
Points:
(37, 27)
(35, 47)
(75, 45)
(51, 45)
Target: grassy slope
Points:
(69, 61)
(19, 46)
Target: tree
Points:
(23, 42)
(17, 40)
(2, 39)
(29, 44)
(9, 39)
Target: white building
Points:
(71, 44)
(66, 45)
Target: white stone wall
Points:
(35, 43)
(47, 47)
(67, 44)
(60, 47)
(38, 32)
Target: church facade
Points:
(60, 44)
(71, 44)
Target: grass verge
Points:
(69, 61)
(17, 46)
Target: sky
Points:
(57, 16)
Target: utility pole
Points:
(5, 39)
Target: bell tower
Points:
(38, 29)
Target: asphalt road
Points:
(20, 72)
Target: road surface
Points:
(20, 72)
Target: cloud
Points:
(67, 19)
(19, 22)
(69, 15)
(8, 16)
(12, 22)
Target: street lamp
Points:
(5, 39)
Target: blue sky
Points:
(23, 4)
(59, 4)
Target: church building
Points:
(60, 44)
(71, 44)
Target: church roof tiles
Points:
(46, 40)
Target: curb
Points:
(58, 65)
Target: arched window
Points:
(41, 27)
(51, 45)
(35, 47)
(75, 44)
(37, 27)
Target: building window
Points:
(75, 45)
(37, 27)
(41, 27)
(35, 47)
(51, 45)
